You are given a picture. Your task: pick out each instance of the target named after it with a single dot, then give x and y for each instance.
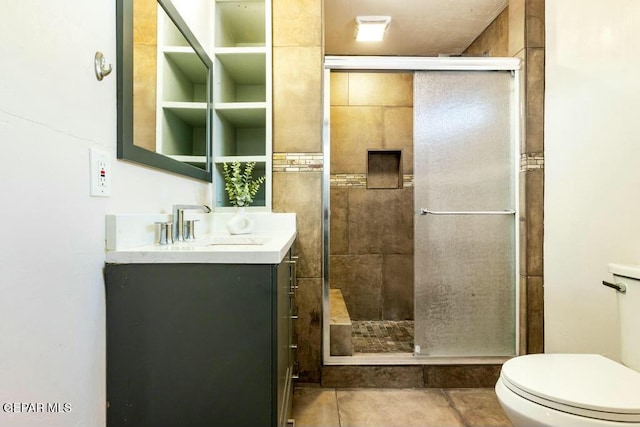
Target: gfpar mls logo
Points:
(36, 407)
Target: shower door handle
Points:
(424, 211)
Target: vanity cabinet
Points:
(242, 90)
(197, 345)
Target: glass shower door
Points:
(465, 241)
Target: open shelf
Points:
(240, 23)
(240, 77)
(235, 140)
(242, 93)
(193, 113)
(182, 95)
(248, 114)
(188, 62)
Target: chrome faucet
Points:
(178, 219)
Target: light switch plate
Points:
(100, 170)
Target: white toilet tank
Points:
(629, 307)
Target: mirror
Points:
(164, 90)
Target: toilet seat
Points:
(587, 385)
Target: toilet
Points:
(586, 390)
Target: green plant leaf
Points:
(240, 185)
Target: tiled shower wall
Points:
(297, 124)
(371, 229)
(297, 139)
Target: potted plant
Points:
(241, 187)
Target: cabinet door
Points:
(190, 345)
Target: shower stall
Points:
(420, 240)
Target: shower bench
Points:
(339, 325)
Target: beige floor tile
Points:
(479, 407)
(390, 408)
(315, 407)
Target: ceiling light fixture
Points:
(371, 28)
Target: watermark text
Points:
(36, 407)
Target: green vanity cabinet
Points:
(200, 344)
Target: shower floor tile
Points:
(382, 336)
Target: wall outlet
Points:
(100, 169)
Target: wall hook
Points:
(101, 67)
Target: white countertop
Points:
(130, 241)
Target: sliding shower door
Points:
(465, 240)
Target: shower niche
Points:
(384, 169)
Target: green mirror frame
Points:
(126, 149)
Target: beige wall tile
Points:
(359, 277)
(397, 287)
(309, 329)
(522, 349)
(494, 40)
(535, 314)
(397, 133)
(535, 223)
(297, 99)
(339, 201)
(535, 101)
(535, 23)
(523, 91)
(388, 89)
(145, 22)
(301, 192)
(516, 26)
(353, 131)
(339, 88)
(381, 221)
(365, 125)
(297, 23)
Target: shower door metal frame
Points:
(412, 64)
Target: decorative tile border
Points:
(298, 162)
(314, 162)
(407, 180)
(531, 161)
(348, 180)
(360, 180)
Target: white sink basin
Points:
(238, 240)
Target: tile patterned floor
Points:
(382, 336)
(328, 407)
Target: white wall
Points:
(592, 167)
(52, 109)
